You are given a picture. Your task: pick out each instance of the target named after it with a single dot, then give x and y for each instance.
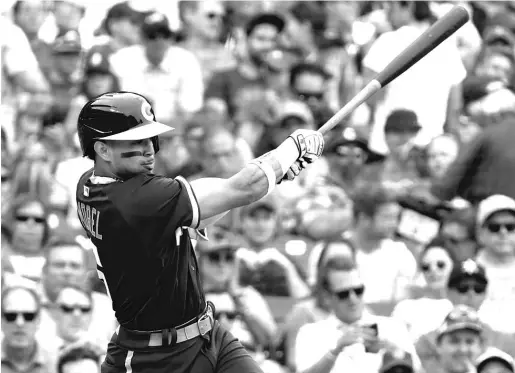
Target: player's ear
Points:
(103, 150)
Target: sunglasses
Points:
(25, 218)
(454, 241)
(345, 294)
(70, 309)
(465, 288)
(217, 257)
(13, 316)
(440, 264)
(496, 227)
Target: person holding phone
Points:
(351, 339)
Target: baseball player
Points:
(141, 224)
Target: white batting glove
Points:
(309, 143)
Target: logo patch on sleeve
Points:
(86, 191)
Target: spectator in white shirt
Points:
(169, 76)
(350, 339)
(387, 265)
(430, 88)
(496, 233)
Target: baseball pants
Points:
(218, 351)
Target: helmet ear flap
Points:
(155, 142)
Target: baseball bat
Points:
(425, 43)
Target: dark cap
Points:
(265, 18)
(219, 239)
(467, 269)
(97, 63)
(396, 359)
(313, 68)
(402, 121)
(269, 202)
(121, 10)
(349, 136)
(461, 318)
(69, 43)
(156, 24)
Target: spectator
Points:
(458, 230)
(238, 306)
(29, 232)
(460, 340)
(79, 359)
(495, 360)
(266, 261)
(410, 19)
(21, 352)
(229, 88)
(440, 153)
(376, 212)
(317, 306)
(202, 28)
(67, 265)
(65, 76)
(308, 83)
(72, 312)
(435, 265)
(349, 339)
(397, 361)
(122, 25)
(168, 75)
(496, 232)
(482, 168)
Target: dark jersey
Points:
(144, 254)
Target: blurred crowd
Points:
(395, 252)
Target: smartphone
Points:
(368, 347)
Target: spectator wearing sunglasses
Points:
(203, 26)
(72, 312)
(21, 352)
(496, 234)
(468, 285)
(241, 308)
(351, 339)
(421, 313)
(29, 232)
(309, 83)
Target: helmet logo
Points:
(146, 111)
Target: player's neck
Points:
(103, 170)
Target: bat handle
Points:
(363, 95)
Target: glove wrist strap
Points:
(286, 154)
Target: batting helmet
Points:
(118, 116)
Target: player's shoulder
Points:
(84, 178)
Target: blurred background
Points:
(414, 197)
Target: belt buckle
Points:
(203, 329)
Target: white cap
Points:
(493, 204)
(495, 354)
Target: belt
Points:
(167, 337)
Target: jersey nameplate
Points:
(90, 219)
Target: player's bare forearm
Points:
(217, 196)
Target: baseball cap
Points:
(156, 24)
(69, 43)
(495, 354)
(219, 239)
(121, 10)
(348, 136)
(491, 205)
(296, 109)
(269, 202)
(403, 121)
(396, 359)
(467, 269)
(265, 18)
(97, 62)
(314, 68)
(461, 318)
